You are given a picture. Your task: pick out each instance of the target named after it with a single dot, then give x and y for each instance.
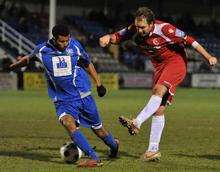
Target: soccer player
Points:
(66, 64)
(164, 44)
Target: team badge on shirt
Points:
(69, 51)
(62, 65)
(155, 41)
(171, 30)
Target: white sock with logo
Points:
(157, 126)
(151, 107)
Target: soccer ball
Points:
(70, 153)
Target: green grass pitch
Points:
(30, 135)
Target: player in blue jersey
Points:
(66, 65)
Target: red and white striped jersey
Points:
(163, 42)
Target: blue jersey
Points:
(66, 77)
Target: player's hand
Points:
(212, 61)
(12, 66)
(18, 58)
(101, 90)
(104, 40)
(20, 62)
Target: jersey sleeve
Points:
(84, 57)
(178, 36)
(35, 54)
(125, 33)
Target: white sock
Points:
(151, 107)
(157, 126)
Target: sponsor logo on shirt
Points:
(62, 65)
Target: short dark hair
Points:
(145, 12)
(60, 30)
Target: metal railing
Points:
(15, 39)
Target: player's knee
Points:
(159, 90)
(160, 111)
(69, 123)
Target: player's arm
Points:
(201, 50)
(85, 62)
(107, 39)
(88, 65)
(93, 73)
(21, 62)
(178, 36)
(117, 37)
(24, 61)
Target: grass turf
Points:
(30, 135)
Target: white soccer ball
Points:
(70, 153)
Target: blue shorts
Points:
(84, 111)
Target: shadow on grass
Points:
(104, 152)
(43, 148)
(32, 137)
(206, 156)
(30, 156)
(26, 154)
(120, 154)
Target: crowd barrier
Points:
(36, 81)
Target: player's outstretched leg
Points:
(126, 122)
(152, 106)
(69, 123)
(157, 126)
(109, 140)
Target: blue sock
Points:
(110, 141)
(83, 144)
